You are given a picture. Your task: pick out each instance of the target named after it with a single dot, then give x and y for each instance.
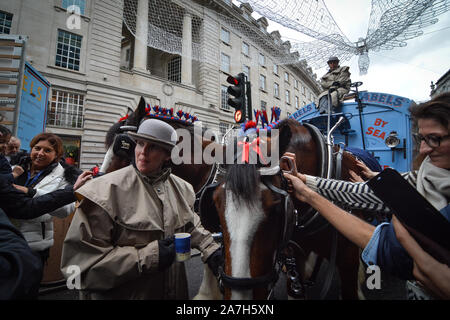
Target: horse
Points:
(197, 174)
(262, 232)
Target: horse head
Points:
(254, 213)
(252, 209)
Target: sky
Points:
(406, 71)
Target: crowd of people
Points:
(122, 233)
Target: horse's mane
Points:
(243, 180)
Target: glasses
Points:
(431, 140)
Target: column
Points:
(140, 41)
(186, 54)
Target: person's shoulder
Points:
(181, 182)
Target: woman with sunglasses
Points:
(389, 245)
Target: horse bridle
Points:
(286, 211)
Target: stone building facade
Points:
(98, 69)
(441, 86)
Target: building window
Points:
(79, 3)
(288, 97)
(245, 49)
(295, 83)
(286, 77)
(297, 103)
(5, 22)
(225, 63)
(304, 90)
(276, 90)
(174, 70)
(246, 70)
(68, 50)
(262, 82)
(223, 128)
(66, 109)
(275, 69)
(263, 106)
(262, 60)
(224, 98)
(225, 36)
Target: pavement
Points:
(391, 287)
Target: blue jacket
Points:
(21, 269)
(385, 251)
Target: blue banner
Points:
(33, 106)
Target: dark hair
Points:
(4, 131)
(437, 109)
(54, 141)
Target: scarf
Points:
(434, 184)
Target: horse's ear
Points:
(135, 117)
(285, 135)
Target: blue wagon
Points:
(380, 124)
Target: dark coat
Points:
(19, 205)
(21, 269)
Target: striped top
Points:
(353, 195)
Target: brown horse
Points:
(257, 218)
(198, 174)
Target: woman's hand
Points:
(82, 178)
(298, 188)
(365, 171)
(21, 188)
(17, 171)
(354, 177)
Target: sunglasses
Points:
(431, 140)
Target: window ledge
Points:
(65, 69)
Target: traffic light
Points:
(238, 91)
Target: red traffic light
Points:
(238, 116)
(233, 80)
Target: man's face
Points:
(333, 65)
(4, 139)
(13, 147)
(150, 157)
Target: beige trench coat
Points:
(113, 236)
(341, 75)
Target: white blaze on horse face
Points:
(242, 223)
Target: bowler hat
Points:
(156, 131)
(333, 58)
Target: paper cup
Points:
(183, 246)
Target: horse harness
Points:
(312, 224)
(210, 220)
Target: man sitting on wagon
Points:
(337, 81)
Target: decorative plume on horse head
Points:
(169, 114)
